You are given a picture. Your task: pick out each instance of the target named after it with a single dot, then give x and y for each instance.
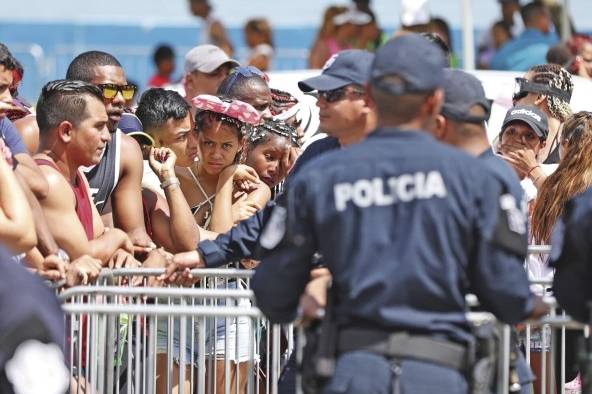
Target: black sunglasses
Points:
(332, 96)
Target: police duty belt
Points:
(403, 345)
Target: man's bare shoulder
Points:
(59, 188)
(131, 154)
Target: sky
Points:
(285, 13)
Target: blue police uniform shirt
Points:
(242, 240)
(504, 173)
(407, 226)
(571, 253)
(527, 50)
(31, 317)
(12, 137)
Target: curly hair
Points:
(557, 77)
(572, 177)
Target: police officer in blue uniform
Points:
(32, 333)
(461, 123)
(407, 227)
(571, 256)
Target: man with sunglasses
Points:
(344, 110)
(115, 181)
(206, 66)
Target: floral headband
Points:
(233, 109)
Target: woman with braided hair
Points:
(548, 87)
(267, 144)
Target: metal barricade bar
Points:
(117, 318)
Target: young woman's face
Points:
(266, 159)
(219, 144)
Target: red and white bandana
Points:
(236, 109)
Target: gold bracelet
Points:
(170, 182)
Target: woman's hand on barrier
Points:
(249, 264)
(83, 270)
(180, 267)
(158, 258)
(540, 308)
(53, 268)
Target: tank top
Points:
(103, 177)
(83, 207)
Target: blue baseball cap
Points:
(418, 62)
(351, 66)
(462, 91)
(131, 125)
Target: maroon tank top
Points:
(83, 207)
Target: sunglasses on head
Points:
(246, 72)
(110, 90)
(519, 95)
(338, 94)
(523, 87)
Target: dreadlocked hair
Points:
(260, 133)
(572, 177)
(281, 101)
(557, 77)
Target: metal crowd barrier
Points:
(126, 336)
(133, 339)
(547, 342)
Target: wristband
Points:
(170, 182)
(532, 169)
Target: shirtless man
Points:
(115, 180)
(73, 129)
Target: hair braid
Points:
(557, 77)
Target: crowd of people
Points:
(400, 200)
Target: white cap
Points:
(206, 59)
(354, 17)
(415, 12)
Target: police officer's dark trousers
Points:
(362, 372)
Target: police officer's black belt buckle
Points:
(404, 345)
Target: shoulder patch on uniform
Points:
(510, 228)
(38, 367)
(274, 231)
